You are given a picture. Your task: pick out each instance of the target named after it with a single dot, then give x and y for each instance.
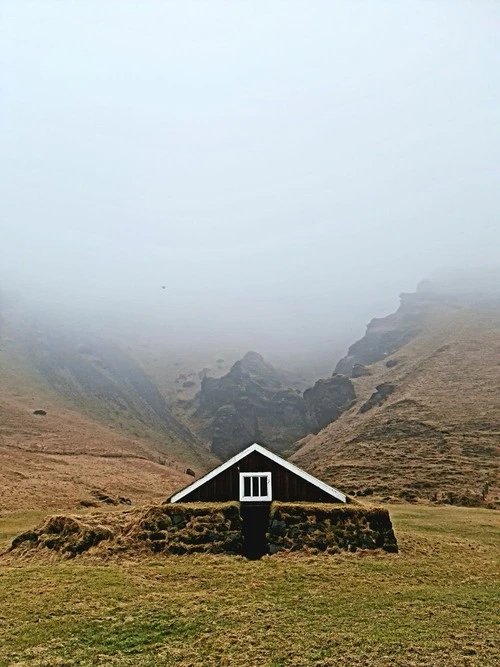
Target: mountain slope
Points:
(107, 426)
(63, 457)
(427, 417)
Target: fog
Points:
(263, 174)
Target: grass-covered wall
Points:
(319, 528)
(191, 528)
(213, 528)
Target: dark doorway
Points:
(255, 519)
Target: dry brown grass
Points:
(30, 481)
(440, 429)
(435, 603)
(56, 460)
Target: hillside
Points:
(416, 403)
(426, 422)
(107, 429)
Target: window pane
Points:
(255, 486)
(263, 486)
(247, 486)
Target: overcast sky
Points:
(285, 169)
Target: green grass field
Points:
(434, 603)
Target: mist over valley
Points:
(249, 333)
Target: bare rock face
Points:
(386, 335)
(382, 391)
(250, 404)
(251, 376)
(359, 370)
(327, 400)
(257, 369)
(234, 428)
(379, 342)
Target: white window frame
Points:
(267, 497)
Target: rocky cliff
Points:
(250, 404)
(327, 400)
(416, 312)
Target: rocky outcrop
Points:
(385, 336)
(249, 404)
(382, 391)
(234, 428)
(382, 338)
(359, 371)
(327, 400)
(251, 376)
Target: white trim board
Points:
(270, 455)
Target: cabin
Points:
(255, 478)
(257, 475)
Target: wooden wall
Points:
(286, 485)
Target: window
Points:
(255, 486)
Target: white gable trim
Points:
(270, 455)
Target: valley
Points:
(249, 334)
(412, 412)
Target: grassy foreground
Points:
(434, 603)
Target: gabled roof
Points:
(270, 455)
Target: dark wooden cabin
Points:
(257, 475)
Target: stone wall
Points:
(316, 528)
(214, 528)
(190, 528)
(171, 529)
